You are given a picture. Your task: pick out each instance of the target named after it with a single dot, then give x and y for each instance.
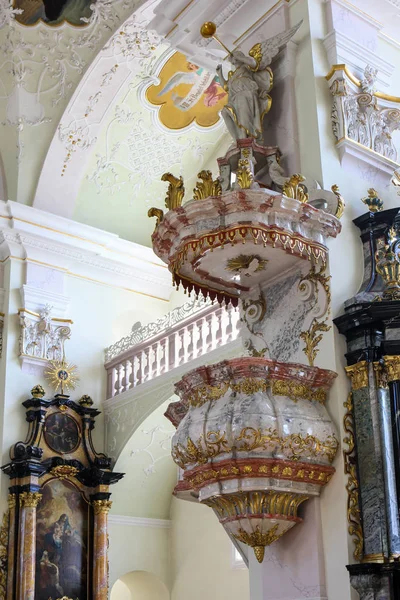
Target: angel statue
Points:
(248, 86)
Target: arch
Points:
(139, 585)
(112, 68)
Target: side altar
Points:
(254, 438)
(58, 500)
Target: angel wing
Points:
(264, 52)
(177, 79)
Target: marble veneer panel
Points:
(370, 471)
(392, 506)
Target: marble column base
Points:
(376, 581)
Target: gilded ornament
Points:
(101, 506)
(392, 367)
(12, 501)
(29, 499)
(294, 188)
(388, 265)
(323, 279)
(381, 378)
(252, 263)
(245, 505)
(4, 529)
(37, 391)
(207, 186)
(156, 212)
(86, 401)
(358, 374)
(244, 176)
(340, 205)
(352, 486)
(215, 443)
(176, 191)
(61, 374)
(64, 471)
(312, 338)
(374, 203)
(279, 387)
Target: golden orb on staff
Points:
(208, 30)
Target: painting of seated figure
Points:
(53, 12)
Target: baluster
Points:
(156, 363)
(229, 325)
(235, 321)
(164, 362)
(200, 340)
(219, 332)
(147, 365)
(138, 376)
(181, 352)
(114, 377)
(190, 347)
(125, 379)
(118, 379)
(132, 376)
(142, 366)
(172, 340)
(209, 338)
(110, 383)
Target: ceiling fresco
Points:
(186, 93)
(134, 148)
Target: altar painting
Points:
(61, 542)
(187, 93)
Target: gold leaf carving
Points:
(244, 176)
(156, 212)
(176, 191)
(340, 205)
(312, 338)
(358, 374)
(207, 186)
(352, 487)
(294, 188)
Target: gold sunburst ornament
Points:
(61, 374)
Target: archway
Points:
(139, 585)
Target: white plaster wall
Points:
(139, 549)
(201, 556)
(101, 315)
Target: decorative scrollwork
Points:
(156, 212)
(341, 204)
(313, 335)
(293, 446)
(294, 188)
(207, 186)
(352, 487)
(244, 176)
(176, 191)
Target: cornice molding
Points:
(127, 521)
(36, 236)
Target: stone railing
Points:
(182, 335)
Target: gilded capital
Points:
(12, 501)
(392, 367)
(358, 374)
(101, 506)
(29, 499)
(381, 378)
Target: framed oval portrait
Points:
(61, 433)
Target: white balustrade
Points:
(193, 336)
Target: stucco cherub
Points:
(248, 86)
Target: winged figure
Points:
(249, 86)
